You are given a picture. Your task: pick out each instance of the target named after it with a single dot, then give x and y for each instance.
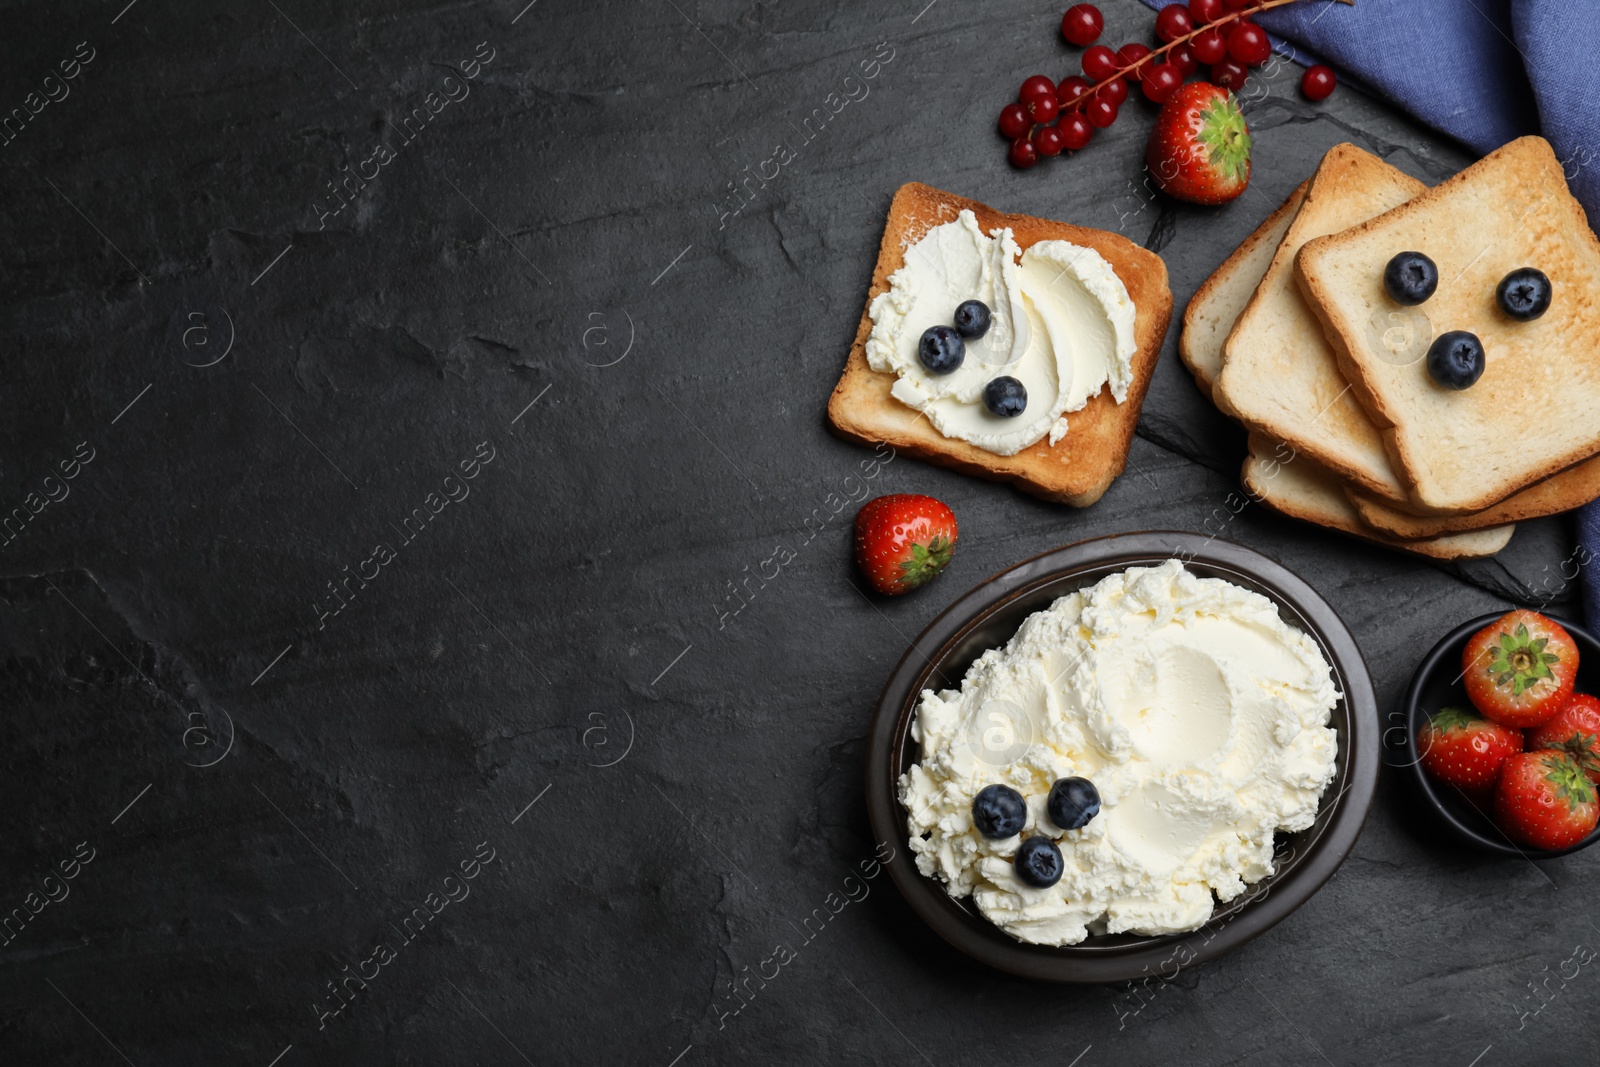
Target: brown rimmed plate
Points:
(987, 617)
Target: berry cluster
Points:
(999, 812)
(943, 349)
(1048, 118)
(1526, 750)
(1456, 358)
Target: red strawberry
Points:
(1199, 150)
(1545, 800)
(1519, 669)
(1463, 749)
(903, 540)
(1576, 731)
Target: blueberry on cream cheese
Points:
(998, 812)
(941, 349)
(1061, 323)
(972, 318)
(1073, 802)
(1005, 397)
(1197, 713)
(1038, 862)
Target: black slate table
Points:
(430, 376)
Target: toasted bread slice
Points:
(1560, 492)
(1077, 469)
(1536, 410)
(1216, 305)
(1279, 375)
(1295, 486)
(1309, 493)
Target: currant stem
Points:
(1122, 72)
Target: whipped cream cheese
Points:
(1200, 716)
(1062, 324)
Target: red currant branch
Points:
(1223, 40)
(1122, 72)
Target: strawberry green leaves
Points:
(1521, 661)
(925, 562)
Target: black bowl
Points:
(1436, 684)
(987, 617)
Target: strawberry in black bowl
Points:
(1503, 736)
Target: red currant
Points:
(1317, 82)
(1248, 43)
(1100, 112)
(1114, 91)
(1014, 121)
(1035, 87)
(1043, 108)
(1174, 22)
(1204, 11)
(1048, 140)
(1082, 24)
(1209, 46)
(1229, 74)
(1161, 81)
(1070, 91)
(1237, 4)
(1183, 58)
(1022, 154)
(1129, 54)
(1075, 130)
(1099, 63)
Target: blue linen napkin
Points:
(1485, 72)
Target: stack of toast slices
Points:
(1295, 337)
(1076, 470)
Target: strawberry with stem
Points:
(1545, 800)
(903, 541)
(1461, 748)
(1519, 670)
(1199, 150)
(1575, 730)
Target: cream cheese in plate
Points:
(1198, 713)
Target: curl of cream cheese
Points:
(1199, 714)
(1061, 322)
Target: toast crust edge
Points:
(1219, 277)
(1563, 491)
(1445, 547)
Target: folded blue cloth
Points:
(1485, 72)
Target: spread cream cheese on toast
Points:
(1197, 712)
(1061, 323)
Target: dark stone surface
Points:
(267, 788)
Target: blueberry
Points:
(1073, 802)
(998, 811)
(972, 319)
(941, 349)
(1039, 862)
(1456, 359)
(1410, 278)
(1525, 294)
(1005, 397)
